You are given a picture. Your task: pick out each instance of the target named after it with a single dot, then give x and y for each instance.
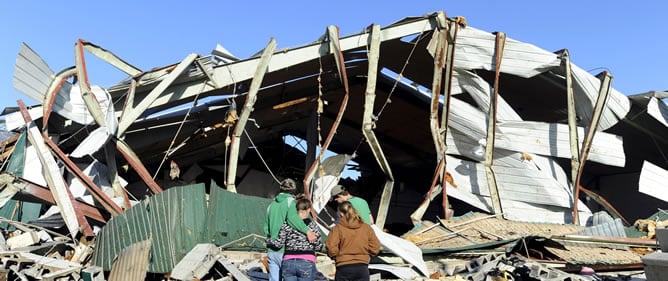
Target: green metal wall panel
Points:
(233, 216)
(17, 160)
(174, 219)
(19, 211)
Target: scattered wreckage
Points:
(167, 174)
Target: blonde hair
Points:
(349, 213)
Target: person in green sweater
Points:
(280, 210)
(340, 195)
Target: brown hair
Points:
(303, 204)
(349, 213)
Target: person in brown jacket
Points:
(351, 243)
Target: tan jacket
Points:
(352, 244)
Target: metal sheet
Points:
(223, 223)
(174, 219)
(653, 181)
(132, 262)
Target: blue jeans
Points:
(298, 270)
(274, 259)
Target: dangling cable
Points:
(387, 100)
(185, 117)
(261, 158)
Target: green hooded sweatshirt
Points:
(280, 210)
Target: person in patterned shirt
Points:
(299, 257)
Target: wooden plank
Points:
(238, 275)
(197, 263)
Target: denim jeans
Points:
(298, 270)
(274, 259)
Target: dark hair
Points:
(349, 213)
(303, 204)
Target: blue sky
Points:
(629, 40)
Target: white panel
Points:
(32, 75)
(653, 181)
(479, 89)
(475, 50)
(552, 139)
(586, 88)
(658, 110)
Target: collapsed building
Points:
(423, 109)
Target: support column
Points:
(491, 126)
(368, 124)
(589, 136)
(239, 128)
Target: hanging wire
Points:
(227, 137)
(171, 144)
(261, 158)
(396, 82)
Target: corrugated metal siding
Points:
(653, 181)
(31, 74)
(233, 216)
(132, 262)
(174, 219)
(14, 210)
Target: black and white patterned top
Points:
(296, 241)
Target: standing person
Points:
(340, 195)
(351, 243)
(299, 257)
(280, 210)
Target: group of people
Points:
(293, 238)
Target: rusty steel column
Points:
(335, 49)
(601, 100)
(572, 125)
(491, 126)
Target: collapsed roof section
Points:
(417, 102)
